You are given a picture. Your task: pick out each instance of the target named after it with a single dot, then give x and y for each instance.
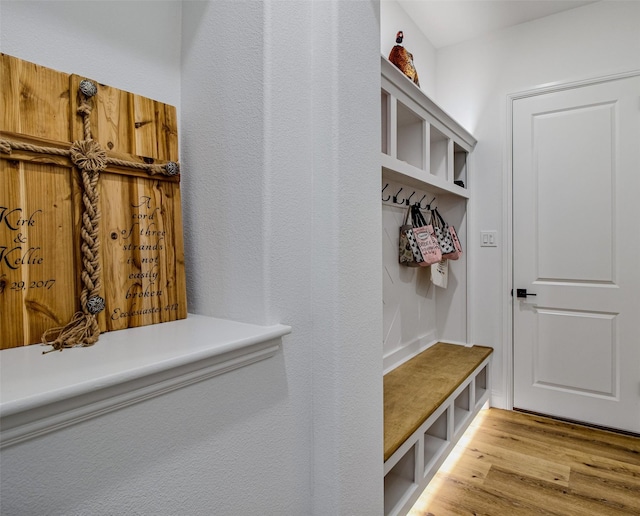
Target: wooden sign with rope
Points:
(90, 223)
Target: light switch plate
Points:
(488, 238)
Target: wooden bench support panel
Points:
(428, 403)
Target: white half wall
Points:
(473, 81)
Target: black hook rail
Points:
(407, 201)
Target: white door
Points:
(576, 246)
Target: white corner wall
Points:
(394, 18)
(473, 81)
(278, 105)
(100, 41)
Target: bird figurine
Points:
(403, 59)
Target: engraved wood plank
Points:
(51, 277)
(145, 284)
(141, 244)
(40, 286)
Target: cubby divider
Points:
(461, 409)
(436, 440)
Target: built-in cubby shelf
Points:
(421, 143)
(425, 157)
(425, 150)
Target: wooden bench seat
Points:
(415, 389)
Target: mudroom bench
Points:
(428, 403)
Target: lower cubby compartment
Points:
(481, 385)
(436, 440)
(461, 409)
(400, 483)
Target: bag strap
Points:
(418, 217)
(408, 220)
(436, 219)
(439, 217)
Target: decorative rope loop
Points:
(88, 155)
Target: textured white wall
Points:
(473, 81)
(279, 144)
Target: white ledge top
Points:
(29, 379)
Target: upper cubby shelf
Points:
(422, 146)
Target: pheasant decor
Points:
(403, 59)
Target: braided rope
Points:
(83, 329)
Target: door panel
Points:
(576, 244)
(569, 146)
(563, 335)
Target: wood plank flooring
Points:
(511, 464)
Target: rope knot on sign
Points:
(88, 156)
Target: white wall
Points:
(473, 81)
(394, 18)
(104, 41)
(278, 105)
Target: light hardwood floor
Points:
(509, 463)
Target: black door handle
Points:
(522, 293)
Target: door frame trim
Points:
(507, 215)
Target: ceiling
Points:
(447, 22)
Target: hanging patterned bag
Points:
(447, 237)
(410, 254)
(426, 239)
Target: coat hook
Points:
(408, 199)
(429, 205)
(395, 197)
(388, 196)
